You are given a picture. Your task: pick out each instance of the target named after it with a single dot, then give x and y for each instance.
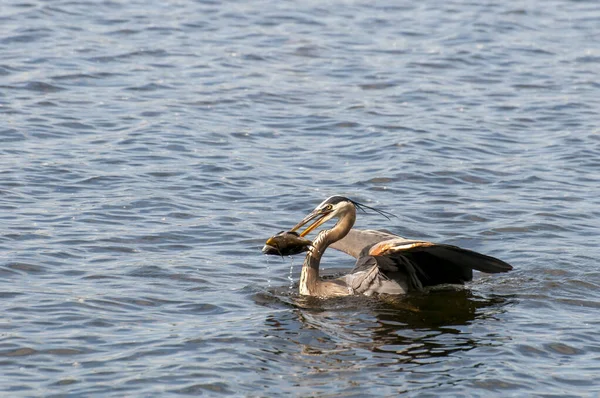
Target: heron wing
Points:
(453, 255)
(376, 275)
(358, 240)
(421, 263)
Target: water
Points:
(148, 148)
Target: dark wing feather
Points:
(467, 258)
(428, 264)
(445, 253)
(432, 270)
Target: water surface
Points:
(148, 148)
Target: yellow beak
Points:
(320, 217)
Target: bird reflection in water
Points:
(411, 328)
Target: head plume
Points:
(335, 199)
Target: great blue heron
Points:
(386, 263)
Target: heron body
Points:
(385, 263)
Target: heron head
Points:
(334, 206)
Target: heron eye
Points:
(329, 207)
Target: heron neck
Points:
(309, 277)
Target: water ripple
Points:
(147, 152)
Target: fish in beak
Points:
(286, 243)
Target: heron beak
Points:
(320, 217)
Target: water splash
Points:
(268, 272)
(290, 275)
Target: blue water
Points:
(148, 148)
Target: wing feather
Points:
(445, 253)
(377, 275)
(358, 240)
(389, 263)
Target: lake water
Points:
(148, 149)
